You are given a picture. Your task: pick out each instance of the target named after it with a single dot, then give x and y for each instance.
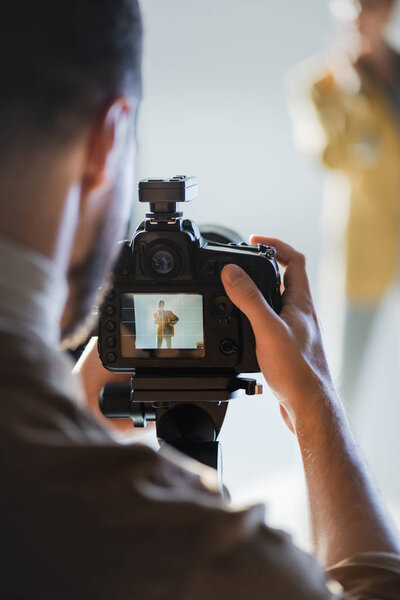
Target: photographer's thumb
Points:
(244, 293)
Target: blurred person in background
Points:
(354, 91)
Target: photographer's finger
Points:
(244, 293)
(295, 279)
(297, 288)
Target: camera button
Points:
(111, 341)
(222, 307)
(110, 326)
(269, 251)
(109, 310)
(210, 267)
(228, 347)
(110, 296)
(111, 357)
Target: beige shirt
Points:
(83, 517)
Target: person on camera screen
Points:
(165, 321)
(83, 516)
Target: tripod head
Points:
(188, 408)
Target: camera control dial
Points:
(221, 307)
(228, 346)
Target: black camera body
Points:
(167, 310)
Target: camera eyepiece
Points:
(162, 262)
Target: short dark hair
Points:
(59, 60)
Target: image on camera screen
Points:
(162, 326)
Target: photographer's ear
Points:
(106, 142)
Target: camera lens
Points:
(162, 262)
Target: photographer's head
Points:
(70, 89)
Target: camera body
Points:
(167, 310)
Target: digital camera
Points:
(167, 310)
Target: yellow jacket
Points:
(362, 140)
(165, 321)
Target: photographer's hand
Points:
(94, 376)
(289, 346)
(346, 514)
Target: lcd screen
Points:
(162, 326)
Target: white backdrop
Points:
(214, 106)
